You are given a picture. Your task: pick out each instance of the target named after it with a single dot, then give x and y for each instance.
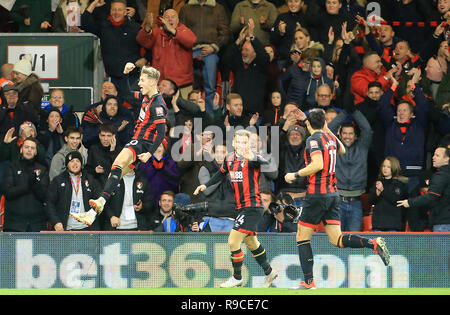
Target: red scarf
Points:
(114, 23)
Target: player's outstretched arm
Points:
(315, 166)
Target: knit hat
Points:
(297, 128)
(74, 155)
(23, 65)
(10, 87)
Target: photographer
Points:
(275, 217)
(221, 202)
(172, 218)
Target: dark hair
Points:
(316, 118)
(31, 139)
(54, 109)
(108, 97)
(374, 84)
(73, 129)
(173, 84)
(107, 128)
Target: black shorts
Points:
(316, 209)
(139, 146)
(247, 220)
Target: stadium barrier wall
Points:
(194, 260)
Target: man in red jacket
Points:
(171, 43)
(372, 70)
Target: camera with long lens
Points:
(188, 214)
(284, 205)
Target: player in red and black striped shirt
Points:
(322, 200)
(149, 133)
(243, 166)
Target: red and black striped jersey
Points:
(245, 179)
(323, 182)
(153, 112)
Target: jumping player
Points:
(322, 199)
(149, 133)
(244, 169)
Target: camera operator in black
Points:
(275, 221)
(220, 196)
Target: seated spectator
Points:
(130, 207)
(101, 155)
(389, 188)
(25, 187)
(28, 83)
(285, 26)
(118, 45)
(262, 12)
(57, 101)
(405, 132)
(69, 192)
(171, 45)
(32, 16)
(51, 134)
(220, 198)
(161, 172)
(250, 65)
(63, 14)
(351, 167)
(73, 137)
(200, 16)
(11, 145)
(12, 112)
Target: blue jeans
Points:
(351, 215)
(209, 77)
(219, 224)
(441, 228)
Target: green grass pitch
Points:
(228, 292)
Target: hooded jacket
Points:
(31, 90)
(315, 81)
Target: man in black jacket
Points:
(438, 195)
(118, 41)
(25, 184)
(129, 208)
(101, 156)
(250, 64)
(68, 193)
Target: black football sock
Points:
(354, 241)
(261, 258)
(112, 182)
(237, 259)
(306, 259)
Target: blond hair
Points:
(151, 72)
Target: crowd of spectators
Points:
(383, 81)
